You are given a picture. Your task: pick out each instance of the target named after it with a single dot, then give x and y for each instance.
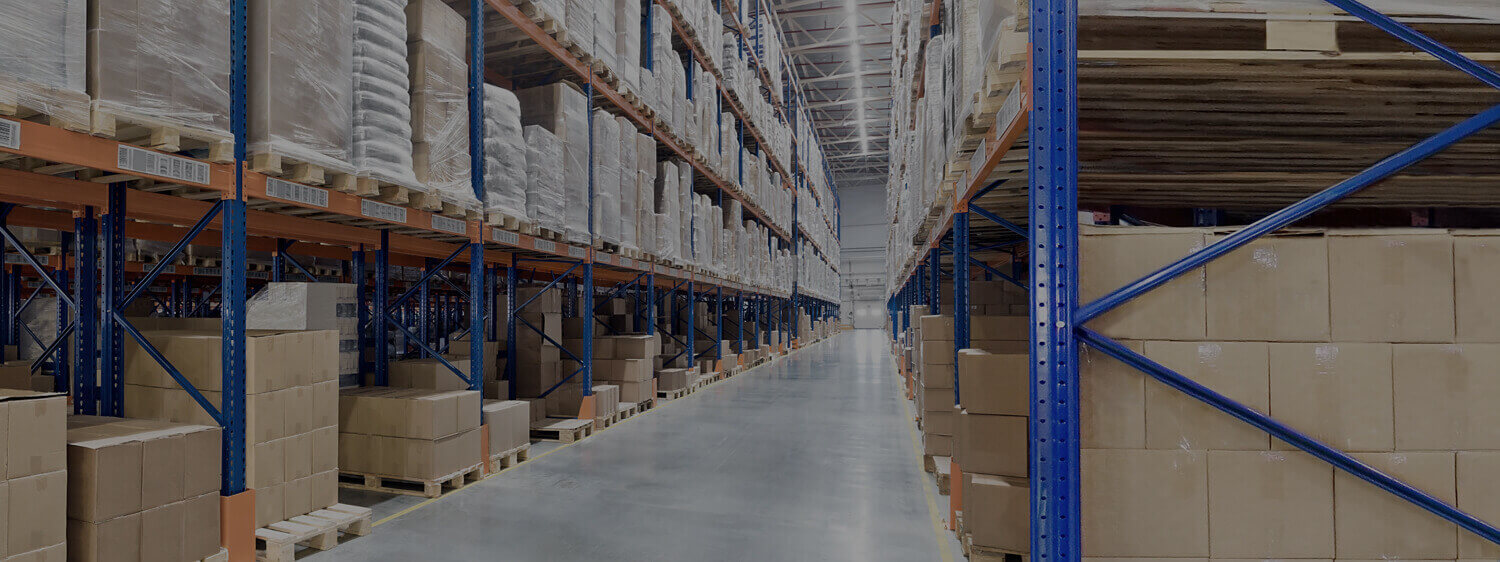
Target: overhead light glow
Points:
(856, 57)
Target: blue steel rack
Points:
(1059, 318)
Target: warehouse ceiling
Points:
(841, 50)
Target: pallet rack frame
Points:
(1059, 317)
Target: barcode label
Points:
(1010, 109)
(627, 262)
(169, 269)
(10, 134)
(448, 224)
(544, 245)
(163, 165)
(577, 252)
(505, 237)
(16, 259)
(208, 271)
(257, 275)
(296, 192)
(382, 211)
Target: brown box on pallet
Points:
(566, 400)
(325, 449)
(32, 433)
(417, 459)
(118, 466)
(1269, 505)
(1273, 289)
(672, 379)
(510, 424)
(1235, 369)
(636, 347)
(1372, 523)
(1120, 485)
(636, 392)
(992, 444)
(624, 370)
(429, 373)
(606, 399)
(270, 504)
(1114, 256)
(114, 540)
(997, 511)
(408, 413)
(1391, 285)
(995, 384)
(37, 512)
(937, 445)
(938, 422)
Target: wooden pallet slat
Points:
(427, 488)
(566, 430)
(318, 530)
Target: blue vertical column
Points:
(588, 318)
(719, 323)
(278, 261)
(361, 300)
(379, 304)
(739, 326)
(425, 316)
(111, 377)
(61, 364)
(477, 297)
(692, 331)
(510, 325)
(651, 304)
(232, 280)
(1053, 208)
(935, 281)
(85, 267)
(960, 289)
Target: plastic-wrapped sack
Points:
(628, 176)
(563, 109)
(627, 24)
(645, 154)
(685, 191)
(440, 100)
(668, 203)
(603, 46)
(301, 90)
(544, 178)
(505, 171)
(579, 21)
(44, 58)
(381, 147)
(166, 62)
(606, 177)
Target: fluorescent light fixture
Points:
(856, 56)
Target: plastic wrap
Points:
(646, 167)
(381, 146)
(166, 62)
(40, 317)
(628, 42)
(687, 207)
(43, 59)
(505, 149)
(563, 109)
(606, 177)
(579, 20)
(440, 101)
(301, 57)
(628, 176)
(544, 178)
(603, 46)
(669, 215)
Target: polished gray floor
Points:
(810, 458)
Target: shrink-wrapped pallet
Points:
(504, 154)
(165, 63)
(381, 147)
(606, 180)
(688, 208)
(43, 61)
(440, 101)
(563, 109)
(645, 189)
(628, 176)
(544, 178)
(668, 205)
(301, 56)
(627, 24)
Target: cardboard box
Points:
(429, 373)
(997, 511)
(1235, 369)
(325, 405)
(995, 445)
(622, 370)
(1120, 485)
(606, 399)
(298, 457)
(35, 429)
(114, 540)
(1000, 328)
(1113, 401)
(297, 495)
(635, 347)
(1372, 523)
(1273, 289)
(939, 422)
(1269, 505)
(269, 504)
(672, 379)
(418, 459)
(565, 401)
(1442, 396)
(1476, 262)
(1114, 256)
(541, 301)
(325, 488)
(162, 531)
(994, 384)
(104, 478)
(636, 392)
(201, 526)
(325, 449)
(409, 413)
(1392, 285)
(1338, 393)
(937, 445)
(1478, 495)
(510, 424)
(37, 511)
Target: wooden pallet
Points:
(672, 394)
(509, 458)
(566, 430)
(411, 486)
(944, 474)
(646, 405)
(605, 422)
(34, 102)
(626, 410)
(549, 234)
(160, 134)
(319, 530)
(294, 170)
(505, 221)
(978, 553)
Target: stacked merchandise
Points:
(668, 380)
(381, 148)
(990, 446)
(606, 403)
(629, 177)
(291, 387)
(494, 386)
(17, 375)
(136, 52)
(43, 62)
(646, 211)
(627, 22)
(538, 364)
(310, 306)
(142, 490)
(628, 366)
(505, 151)
(429, 373)
(687, 208)
(668, 213)
(439, 101)
(563, 109)
(606, 177)
(301, 90)
(544, 178)
(656, 89)
(34, 479)
(510, 426)
(422, 435)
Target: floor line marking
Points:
(932, 507)
(656, 408)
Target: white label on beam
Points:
(577, 252)
(505, 237)
(257, 275)
(10, 134)
(1010, 109)
(449, 224)
(169, 269)
(214, 271)
(296, 192)
(145, 161)
(544, 245)
(14, 258)
(382, 211)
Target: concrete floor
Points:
(813, 457)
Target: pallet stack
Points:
(34, 483)
(408, 441)
(439, 103)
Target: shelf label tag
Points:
(16, 259)
(449, 224)
(163, 165)
(257, 275)
(505, 237)
(169, 269)
(10, 134)
(296, 192)
(207, 271)
(575, 251)
(1010, 109)
(382, 211)
(544, 245)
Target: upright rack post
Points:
(112, 374)
(85, 260)
(960, 289)
(379, 304)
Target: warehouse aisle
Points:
(811, 458)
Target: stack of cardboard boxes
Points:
(33, 477)
(142, 490)
(510, 425)
(538, 361)
(628, 365)
(990, 448)
(309, 306)
(291, 386)
(496, 387)
(993, 334)
(414, 434)
(429, 373)
(1379, 343)
(17, 375)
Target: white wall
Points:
(863, 267)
